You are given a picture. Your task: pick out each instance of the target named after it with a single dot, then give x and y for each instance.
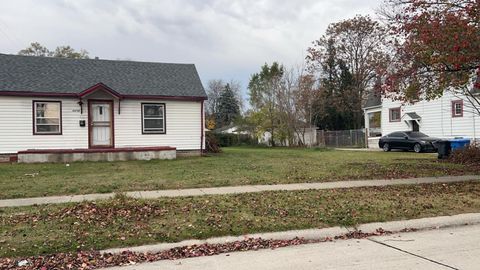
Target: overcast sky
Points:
(225, 39)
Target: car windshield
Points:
(416, 134)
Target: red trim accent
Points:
(97, 150)
(36, 94)
(112, 124)
(454, 102)
(14, 158)
(34, 122)
(202, 115)
(99, 87)
(187, 98)
(75, 95)
(399, 114)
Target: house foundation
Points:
(114, 154)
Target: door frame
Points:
(112, 123)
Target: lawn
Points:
(235, 166)
(124, 221)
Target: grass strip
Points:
(123, 221)
(236, 166)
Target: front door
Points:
(101, 124)
(415, 126)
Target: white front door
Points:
(101, 124)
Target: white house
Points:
(232, 129)
(306, 137)
(445, 117)
(57, 109)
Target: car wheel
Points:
(386, 147)
(417, 148)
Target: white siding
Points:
(436, 118)
(183, 123)
(16, 127)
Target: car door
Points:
(395, 140)
(405, 141)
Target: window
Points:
(374, 124)
(397, 135)
(457, 108)
(47, 118)
(395, 115)
(153, 118)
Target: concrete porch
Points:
(102, 154)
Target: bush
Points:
(469, 155)
(211, 143)
(226, 139)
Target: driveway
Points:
(453, 248)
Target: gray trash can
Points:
(444, 148)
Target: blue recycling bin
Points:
(457, 144)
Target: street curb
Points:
(317, 234)
(170, 193)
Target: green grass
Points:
(236, 166)
(122, 221)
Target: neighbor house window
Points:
(375, 124)
(395, 115)
(153, 118)
(457, 108)
(47, 117)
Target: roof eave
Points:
(372, 107)
(75, 95)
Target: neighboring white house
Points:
(445, 117)
(308, 137)
(232, 129)
(90, 109)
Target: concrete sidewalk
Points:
(236, 190)
(449, 248)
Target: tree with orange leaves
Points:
(436, 49)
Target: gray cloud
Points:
(225, 39)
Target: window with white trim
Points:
(47, 117)
(457, 108)
(153, 118)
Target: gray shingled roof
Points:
(61, 75)
(373, 99)
(413, 115)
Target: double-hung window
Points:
(153, 118)
(457, 108)
(47, 118)
(395, 114)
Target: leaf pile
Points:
(87, 260)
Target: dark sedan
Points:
(408, 140)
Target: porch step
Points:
(8, 158)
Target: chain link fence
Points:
(355, 138)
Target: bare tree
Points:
(360, 44)
(214, 89)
